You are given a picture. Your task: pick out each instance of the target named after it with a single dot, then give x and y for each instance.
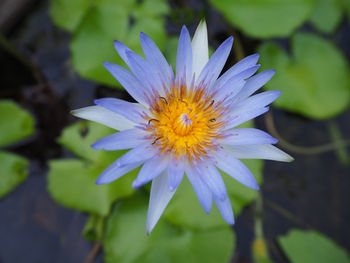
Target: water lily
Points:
(185, 123)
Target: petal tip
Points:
(95, 146)
(75, 112)
(100, 181)
(136, 184)
(107, 64)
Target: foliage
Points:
(311, 246)
(15, 124)
(167, 243)
(327, 15)
(71, 182)
(314, 85)
(96, 24)
(265, 18)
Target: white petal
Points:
(159, 199)
(104, 116)
(262, 151)
(131, 111)
(200, 50)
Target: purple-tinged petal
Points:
(242, 65)
(184, 57)
(200, 48)
(156, 58)
(104, 116)
(122, 49)
(262, 151)
(146, 73)
(200, 188)
(121, 140)
(254, 83)
(231, 87)
(216, 63)
(114, 172)
(141, 153)
(132, 85)
(176, 171)
(235, 84)
(257, 101)
(213, 179)
(247, 136)
(242, 115)
(131, 111)
(159, 199)
(235, 168)
(150, 170)
(225, 209)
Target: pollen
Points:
(186, 122)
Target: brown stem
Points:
(300, 149)
(284, 212)
(93, 253)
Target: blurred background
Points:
(51, 55)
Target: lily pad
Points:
(311, 246)
(327, 15)
(14, 170)
(265, 18)
(15, 123)
(127, 242)
(71, 182)
(314, 79)
(68, 14)
(96, 24)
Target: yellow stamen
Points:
(185, 122)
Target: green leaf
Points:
(15, 123)
(72, 182)
(127, 242)
(311, 246)
(314, 81)
(185, 210)
(347, 8)
(327, 15)
(78, 137)
(14, 170)
(265, 18)
(67, 14)
(94, 228)
(107, 21)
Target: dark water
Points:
(311, 192)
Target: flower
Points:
(185, 123)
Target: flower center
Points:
(185, 122)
